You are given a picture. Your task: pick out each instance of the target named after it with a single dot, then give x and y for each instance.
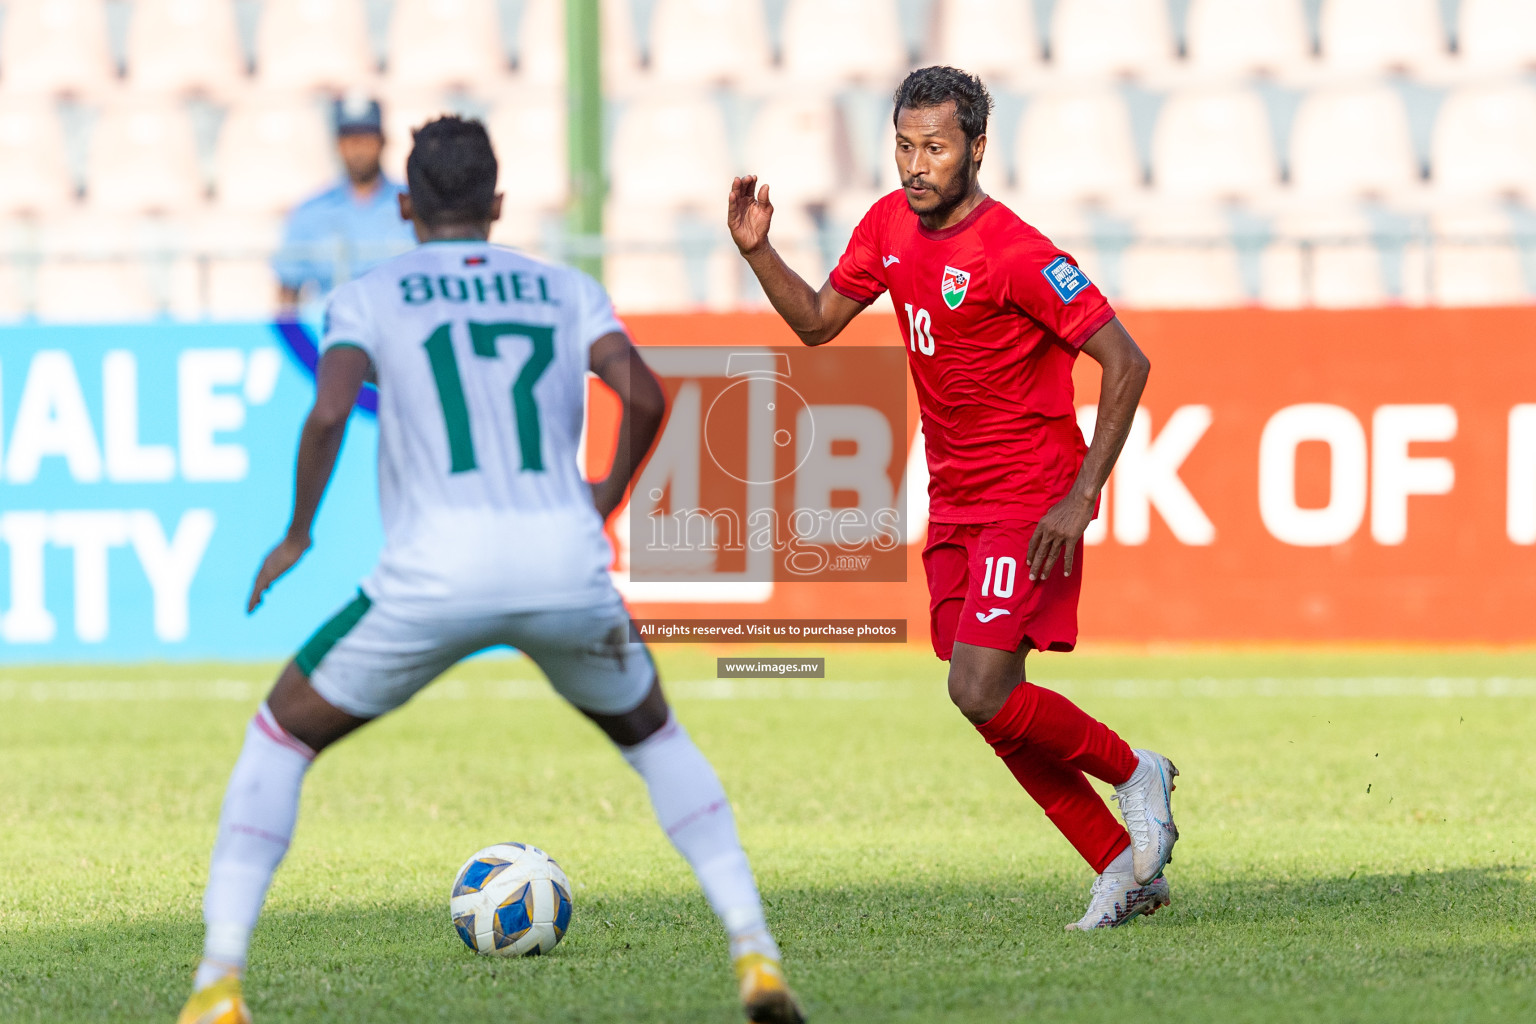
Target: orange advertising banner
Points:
(1291, 476)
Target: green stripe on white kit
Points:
(328, 635)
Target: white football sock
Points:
(255, 825)
(693, 810)
(1121, 864)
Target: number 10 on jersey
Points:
(919, 331)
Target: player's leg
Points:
(980, 610)
(361, 664)
(590, 659)
(1033, 729)
(1048, 743)
(261, 805)
(256, 822)
(692, 809)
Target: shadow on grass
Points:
(1439, 946)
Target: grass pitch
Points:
(1357, 847)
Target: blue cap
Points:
(358, 114)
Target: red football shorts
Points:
(979, 591)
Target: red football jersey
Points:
(994, 316)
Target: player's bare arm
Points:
(816, 316)
(1125, 369)
(617, 363)
(338, 379)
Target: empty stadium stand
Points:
(1285, 153)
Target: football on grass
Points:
(511, 900)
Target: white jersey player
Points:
(492, 537)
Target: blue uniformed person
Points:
(343, 231)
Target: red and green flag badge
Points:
(953, 286)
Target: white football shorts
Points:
(372, 657)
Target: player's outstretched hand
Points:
(748, 215)
(1057, 535)
(278, 561)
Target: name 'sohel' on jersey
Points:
(481, 356)
(994, 315)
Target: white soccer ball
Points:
(511, 900)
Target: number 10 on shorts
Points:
(997, 581)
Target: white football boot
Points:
(1117, 898)
(1144, 804)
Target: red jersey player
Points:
(994, 317)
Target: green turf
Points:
(1354, 850)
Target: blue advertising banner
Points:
(144, 473)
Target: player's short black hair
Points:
(451, 172)
(937, 85)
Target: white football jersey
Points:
(481, 355)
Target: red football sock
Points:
(1047, 721)
(1047, 742)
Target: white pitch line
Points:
(149, 690)
(134, 691)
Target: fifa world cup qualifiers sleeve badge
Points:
(1067, 280)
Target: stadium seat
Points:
(33, 162)
(541, 42)
(1008, 49)
(527, 128)
(272, 155)
(1062, 223)
(1238, 36)
(843, 39)
(1497, 33)
(55, 46)
(1183, 258)
(869, 137)
(798, 240)
(671, 151)
(13, 293)
(184, 45)
(307, 44)
(1214, 143)
(522, 228)
(709, 40)
(143, 159)
(644, 268)
(621, 47)
(441, 43)
(70, 291)
(100, 269)
(845, 211)
(792, 145)
(1352, 142)
(403, 112)
(1077, 145)
(1322, 257)
(229, 257)
(1102, 37)
(18, 242)
(1473, 259)
(1484, 142)
(1378, 35)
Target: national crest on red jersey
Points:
(953, 286)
